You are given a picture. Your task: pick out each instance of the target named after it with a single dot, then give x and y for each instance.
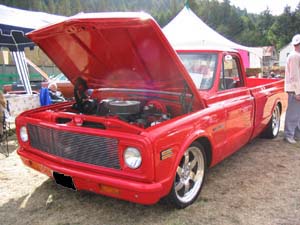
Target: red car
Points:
(148, 121)
(62, 82)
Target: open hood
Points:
(115, 50)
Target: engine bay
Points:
(118, 109)
(142, 108)
(135, 112)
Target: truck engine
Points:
(131, 111)
(142, 113)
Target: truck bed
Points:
(257, 82)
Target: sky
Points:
(257, 6)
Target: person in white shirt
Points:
(292, 87)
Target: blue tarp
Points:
(14, 24)
(13, 38)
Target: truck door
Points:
(238, 103)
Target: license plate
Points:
(63, 180)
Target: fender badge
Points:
(168, 153)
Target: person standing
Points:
(292, 87)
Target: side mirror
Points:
(228, 58)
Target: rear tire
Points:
(189, 177)
(272, 129)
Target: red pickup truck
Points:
(148, 121)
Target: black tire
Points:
(272, 129)
(189, 177)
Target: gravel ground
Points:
(260, 184)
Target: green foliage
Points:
(232, 22)
(284, 27)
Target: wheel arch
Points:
(279, 103)
(206, 145)
(205, 142)
(271, 126)
(202, 139)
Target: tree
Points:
(233, 23)
(37, 5)
(64, 8)
(282, 30)
(51, 6)
(75, 6)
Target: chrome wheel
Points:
(276, 121)
(272, 129)
(189, 175)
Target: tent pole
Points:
(22, 68)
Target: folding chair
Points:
(45, 96)
(4, 136)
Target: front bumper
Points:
(138, 192)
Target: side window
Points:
(201, 68)
(230, 76)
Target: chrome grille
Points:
(100, 151)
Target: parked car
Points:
(155, 119)
(63, 85)
(18, 87)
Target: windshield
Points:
(201, 67)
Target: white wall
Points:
(283, 54)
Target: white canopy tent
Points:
(14, 24)
(187, 30)
(26, 19)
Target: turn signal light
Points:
(109, 189)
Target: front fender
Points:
(194, 136)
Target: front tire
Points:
(189, 177)
(272, 129)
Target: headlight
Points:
(24, 134)
(132, 157)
